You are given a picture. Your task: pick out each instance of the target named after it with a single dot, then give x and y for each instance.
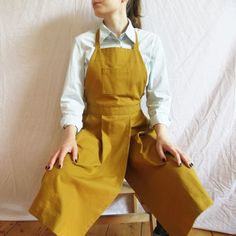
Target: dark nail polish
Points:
(180, 164)
(191, 164)
(46, 167)
(76, 160)
(163, 160)
(59, 166)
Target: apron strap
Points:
(97, 38)
(136, 45)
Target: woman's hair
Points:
(133, 10)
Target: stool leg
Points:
(135, 204)
(152, 221)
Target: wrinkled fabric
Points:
(116, 143)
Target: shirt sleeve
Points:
(72, 101)
(158, 89)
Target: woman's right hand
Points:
(68, 144)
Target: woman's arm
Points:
(158, 89)
(72, 102)
(72, 106)
(159, 104)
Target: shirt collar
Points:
(105, 31)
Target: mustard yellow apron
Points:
(114, 143)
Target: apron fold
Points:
(143, 149)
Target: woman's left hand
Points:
(163, 144)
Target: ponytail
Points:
(133, 10)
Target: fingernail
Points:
(163, 159)
(59, 166)
(75, 160)
(46, 167)
(180, 164)
(191, 164)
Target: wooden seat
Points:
(131, 217)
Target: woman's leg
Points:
(174, 195)
(159, 230)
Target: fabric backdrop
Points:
(199, 39)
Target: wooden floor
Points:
(34, 228)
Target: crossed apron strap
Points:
(135, 46)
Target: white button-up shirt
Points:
(157, 91)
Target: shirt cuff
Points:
(160, 118)
(71, 121)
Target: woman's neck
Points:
(116, 24)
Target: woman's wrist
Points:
(161, 130)
(69, 130)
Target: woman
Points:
(110, 69)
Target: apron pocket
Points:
(115, 81)
(88, 148)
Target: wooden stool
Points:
(134, 216)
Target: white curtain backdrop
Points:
(199, 39)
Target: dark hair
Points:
(133, 10)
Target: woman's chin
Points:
(99, 14)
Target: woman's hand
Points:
(163, 144)
(68, 144)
